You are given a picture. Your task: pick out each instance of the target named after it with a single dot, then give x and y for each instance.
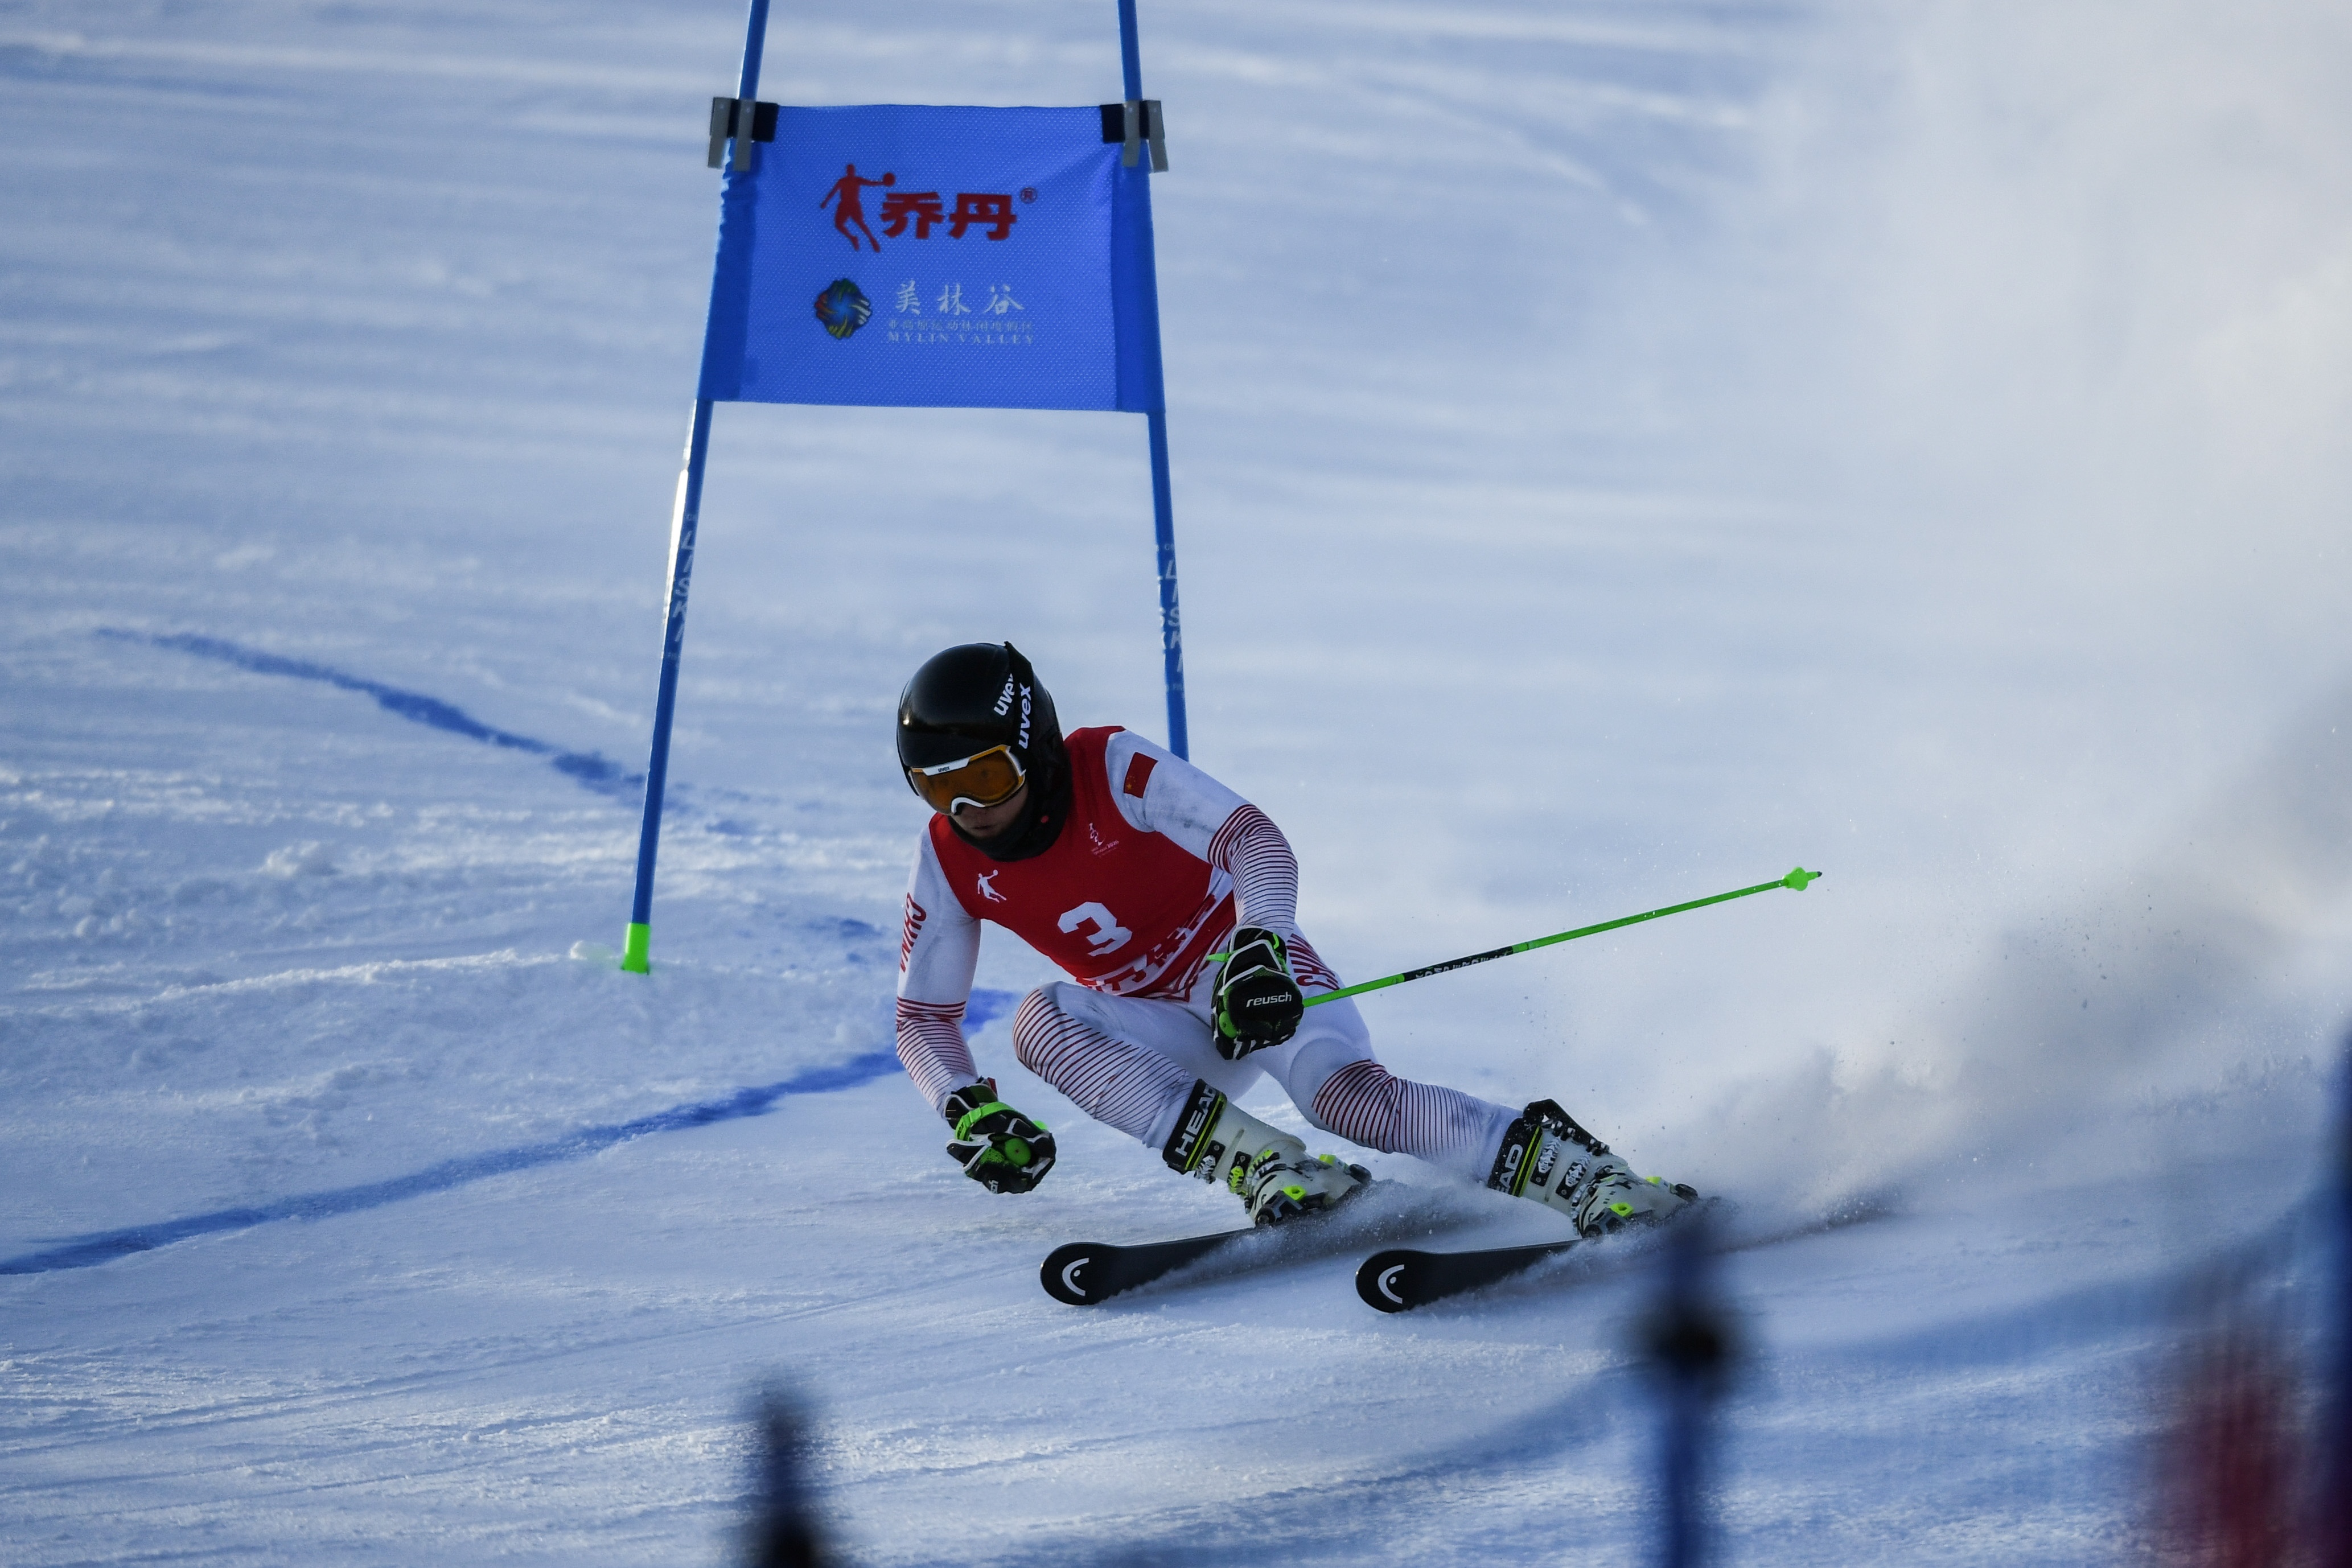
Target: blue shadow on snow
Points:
(590, 769)
(106, 1246)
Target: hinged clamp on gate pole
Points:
(1133, 124)
(726, 113)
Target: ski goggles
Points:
(986, 779)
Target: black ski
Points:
(1086, 1272)
(1401, 1279)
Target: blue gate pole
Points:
(1163, 504)
(636, 951)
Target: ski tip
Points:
(1801, 879)
(1386, 1280)
(1064, 1274)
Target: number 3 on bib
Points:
(1108, 937)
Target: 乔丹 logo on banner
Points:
(990, 211)
(933, 256)
(844, 308)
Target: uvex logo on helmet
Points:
(1004, 705)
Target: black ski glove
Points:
(998, 1147)
(1257, 1004)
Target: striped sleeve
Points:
(932, 1048)
(1251, 850)
(939, 949)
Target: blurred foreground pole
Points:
(2335, 1511)
(2254, 1471)
(784, 1531)
(1689, 1341)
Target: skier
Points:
(1172, 902)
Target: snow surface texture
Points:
(1621, 451)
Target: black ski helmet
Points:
(981, 694)
(971, 697)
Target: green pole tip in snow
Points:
(1800, 878)
(636, 954)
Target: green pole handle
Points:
(1797, 880)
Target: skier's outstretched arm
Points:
(1252, 850)
(938, 950)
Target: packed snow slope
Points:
(1621, 451)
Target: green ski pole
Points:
(1797, 879)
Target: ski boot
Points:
(1546, 1157)
(1269, 1171)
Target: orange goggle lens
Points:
(989, 778)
